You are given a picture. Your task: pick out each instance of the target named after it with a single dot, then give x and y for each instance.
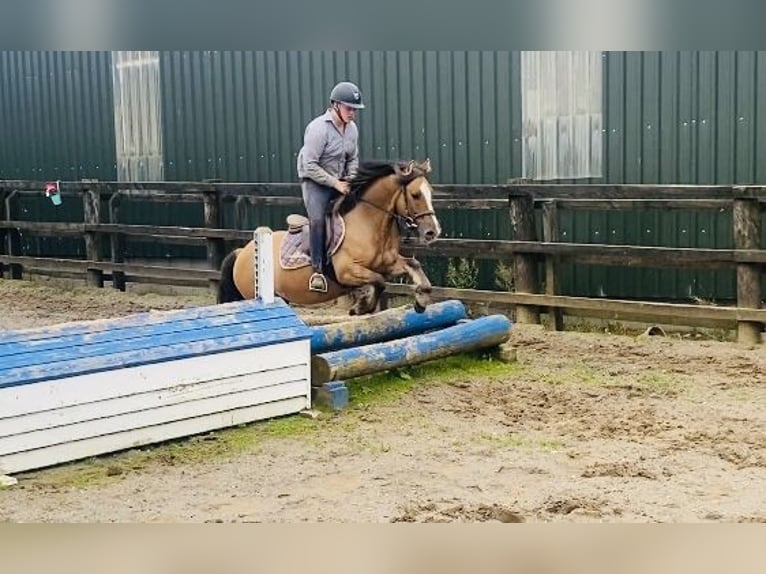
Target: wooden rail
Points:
(535, 250)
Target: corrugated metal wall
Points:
(240, 116)
(138, 116)
(562, 100)
(674, 117)
(56, 112)
(688, 117)
(56, 122)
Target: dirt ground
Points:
(585, 427)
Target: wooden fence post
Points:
(747, 235)
(240, 211)
(91, 203)
(551, 235)
(12, 238)
(3, 232)
(215, 247)
(522, 213)
(117, 241)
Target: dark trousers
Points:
(318, 199)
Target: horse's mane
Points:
(369, 172)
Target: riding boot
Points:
(317, 282)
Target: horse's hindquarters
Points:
(243, 271)
(293, 284)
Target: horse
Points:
(383, 198)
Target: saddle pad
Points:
(295, 246)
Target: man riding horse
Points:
(379, 199)
(328, 159)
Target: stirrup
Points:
(318, 282)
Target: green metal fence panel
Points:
(56, 116)
(673, 117)
(57, 123)
(240, 116)
(669, 117)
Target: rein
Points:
(410, 221)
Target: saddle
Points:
(295, 252)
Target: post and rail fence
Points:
(536, 249)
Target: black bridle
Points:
(409, 220)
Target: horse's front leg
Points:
(367, 286)
(414, 269)
(365, 299)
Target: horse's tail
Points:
(227, 290)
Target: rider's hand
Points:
(342, 186)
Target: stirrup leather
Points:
(318, 282)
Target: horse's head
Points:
(415, 203)
(399, 189)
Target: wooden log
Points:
(590, 253)
(613, 309)
(747, 235)
(552, 263)
(117, 242)
(594, 253)
(79, 265)
(524, 266)
(240, 212)
(635, 191)
(384, 326)
(92, 214)
(3, 232)
(215, 247)
(12, 238)
(635, 204)
(471, 203)
(159, 196)
(158, 191)
(472, 335)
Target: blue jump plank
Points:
(140, 320)
(120, 332)
(205, 330)
(175, 351)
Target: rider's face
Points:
(346, 113)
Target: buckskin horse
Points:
(364, 242)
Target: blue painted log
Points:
(384, 326)
(480, 333)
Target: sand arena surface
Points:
(584, 427)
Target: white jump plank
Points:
(94, 387)
(150, 417)
(135, 404)
(110, 443)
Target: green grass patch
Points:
(216, 445)
(391, 385)
(365, 392)
(662, 383)
(577, 373)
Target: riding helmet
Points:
(347, 93)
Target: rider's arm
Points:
(314, 141)
(353, 161)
